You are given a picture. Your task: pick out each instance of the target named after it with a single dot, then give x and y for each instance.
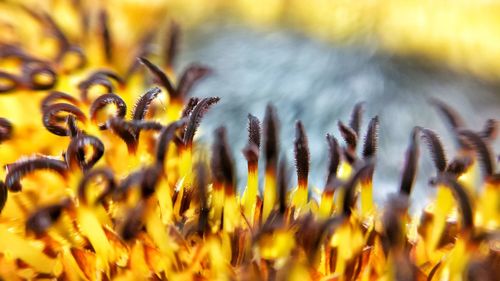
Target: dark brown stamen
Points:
(142, 105)
(132, 179)
(16, 171)
(201, 185)
(195, 118)
(92, 81)
(350, 187)
(411, 164)
(149, 180)
(160, 77)
(222, 161)
(146, 125)
(356, 117)
(490, 130)
(56, 95)
(463, 199)
(271, 138)
(33, 71)
(143, 50)
(192, 102)
(394, 236)
(459, 165)
(55, 30)
(451, 116)
(349, 136)
(253, 130)
(192, 75)
(283, 183)
(483, 151)
(9, 82)
(73, 130)
(106, 73)
(302, 156)
(76, 51)
(251, 153)
(102, 101)
(102, 173)
(75, 154)
(51, 116)
(371, 139)
(172, 44)
(436, 149)
(188, 109)
(125, 131)
(133, 223)
(45, 217)
(167, 134)
(3, 195)
(5, 130)
(105, 35)
(334, 154)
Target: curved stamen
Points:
(51, 116)
(102, 101)
(16, 171)
(436, 148)
(195, 118)
(371, 139)
(75, 154)
(104, 173)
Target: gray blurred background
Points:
(319, 83)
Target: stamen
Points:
(9, 82)
(192, 75)
(271, 138)
(334, 153)
(371, 139)
(411, 164)
(102, 101)
(350, 136)
(39, 76)
(302, 156)
(436, 148)
(105, 35)
(350, 188)
(483, 151)
(57, 95)
(253, 130)
(3, 195)
(103, 173)
(75, 154)
(463, 199)
(490, 130)
(356, 117)
(133, 223)
(45, 217)
(166, 135)
(172, 44)
(51, 113)
(5, 130)
(452, 117)
(160, 77)
(16, 171)
(142, 105)
(283, 184)
(195, 118)
(200, 185)
(125, 131)
(222, 161)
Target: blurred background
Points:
(315, 59)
